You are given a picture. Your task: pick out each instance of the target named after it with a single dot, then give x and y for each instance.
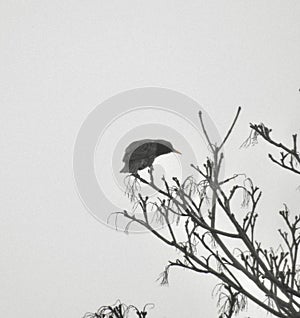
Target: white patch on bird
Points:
(171, 165)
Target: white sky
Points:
(59, 60)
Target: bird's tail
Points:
(124, 169)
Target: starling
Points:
(141, 154)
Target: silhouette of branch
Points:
(231, 127)
(289, 156)
(204, 234)
(119, 310)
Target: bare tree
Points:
(119, 310)
(214, 235)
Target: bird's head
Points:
(164, 147)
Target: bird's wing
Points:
(144, 151)
(130, 151)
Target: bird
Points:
(140, 154)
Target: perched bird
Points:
(141, 154)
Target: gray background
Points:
(59, 59)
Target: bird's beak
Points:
(177, 151)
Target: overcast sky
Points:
(59, 61)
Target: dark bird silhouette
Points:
(141, 154)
